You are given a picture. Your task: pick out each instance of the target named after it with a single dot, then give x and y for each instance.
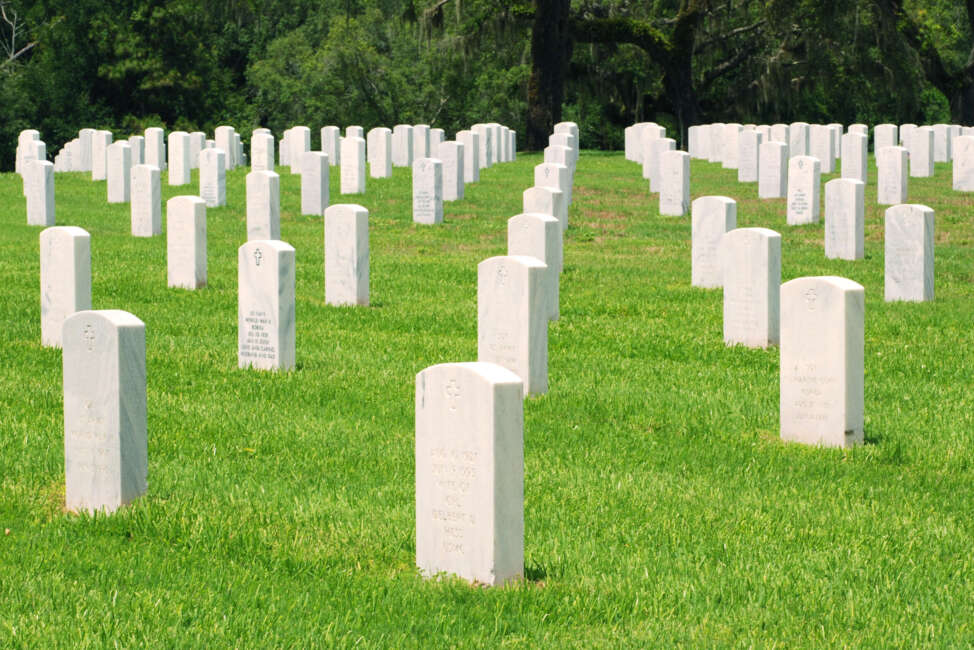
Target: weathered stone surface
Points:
(265, 307)
(213, 177)
(65, 278)
(119, 172)
(402, 145)
(39, 190)
(891, 171)
(749, 156)
(804, 183)
(262, 152)
(844, 221)
(428, 191)
(963, 167)
(712, 217)
(346, 255)
(921, 152)
(909, 253)
(314, 183)
(539, 236)
(331, 144)
(186, 242)
(546, 200)
(146, 201)
(379, 152)
(773, 174)
(471, 155)
(752, 276)
(353, 166)
(674, 195)
(855, 157)
(452, 156)
(263, 206)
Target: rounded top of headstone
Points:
(833, 281)
(275, 245)
(765, 233)
(64, 231)
(113, 317)
(705, 201)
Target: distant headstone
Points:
(821, 367)
(909, 253)
(921, 152)
(844, 222)
(749, 156)
(155, 147)
(798, 139)
(712, 217)
(197, 143)
(100, 141)
(822, 147)
(179, 169)
(354, 132)
(119, 172)
(421, 141)
(265, 308)
(512, 318)
(674, 195)
(963, 171)
(65, 278)
(299, 142)
(105, 441)
(941, 143)
(137, 147)
(24, 148)
(891, 172)
(885, 135)
(861, 129)
(560, 156)
(225, 140)
(262, 152)
(213, 177)
(186, 242)
(546, 200)
(470, 472)
(437, 137)
(146, 201)
(751, 259)
(380, 153)
(85, 140)
(731, 146)
(346, 255)
(331, 144)
(471, 155)
(402, 145)
(779, 133)
(855, 156)
(804, 182)
(836, 131)
(451, 154)
(906, 135)
(314, 183)
(428, 191)
(263, 206)
(554, 176)
(539, 236)
(651, 160)
(39, 186)
(486, 150)
(353, 166)
(773, 173)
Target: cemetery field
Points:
(660, 506)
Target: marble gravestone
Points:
(197, 143)
(712, 217)
(314, 183)
(428, 191)
(105, 433)
(354, 131)
(179, 166)
(421, 141)
(804, 183)
(39, 185)
(822, 147)
(25, 149)
(561, 156)
(299, 143)
(470, 472)
(265, 307)
(380, 153)
(674, 194)
(892, 177)
(65, 278)
(798, 139)
(263, 205)
(779, 133)
(352, 179)
(963, 166)
(100, 141)
(402, 145)
(652, 154)
(213, 177)
(773, 170)
(451, 155)
(512, 318)
(556, 177)
(437, 137)
(885, 135)
(487, 143)
(731, 146)
(906, 135)
(331, 144)
(471, 155)
(546, 200)
(821, 367)
(751, 259)
(844, 220)
(261, 152)
(137, 147)
(119, 172)
(155, 147)
(749, 156)
(909, 253)
(921, 152)
(539, 236)
(855, 157)
(186, 242)
(941, 143)
(84, 141)
(225, 140)
(146, 201)
(346, 255)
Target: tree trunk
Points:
(550, 55)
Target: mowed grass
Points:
(660, 506)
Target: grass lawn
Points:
(660, 506)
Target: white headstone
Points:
(263, 206)
(155, 147)
(836, 131)
(380, 153)
(437, 137)
(451, 154)
(921, 152)
(354, 132)
(428, 191)
(197, 143)
(65, 278)
(119, 172)
(353, 166)
(798, 139)
(906, 134)
(749, 156)
(804, 183)
(674, 194)
(314, 183)
(844, 223)
(421, 141)
(186, 242)
(213, 177)
(885, 135)
(100, 141)
(941, 143)
(299, 141)
(137, 146)
(891, 172)
(546, 200)
(909, 253)
(512, 318)
(773, 174)
(265, 307)
(331, 144)
(39, 187)
(146, 201)
(652, 152)
(712, 217)
(556, 177)
(751, 258)
(105, 439)
(486, 145)
(85, 140)
(346, 255)
(402, 145)
(470, 472)
(779, 133)
(539, 236)
(730, 148)
(262, 152)
(855, 156)
(821, 366)
(822, 147)
(225, 140)
(471, 155)
(179, 165)
(963, 167)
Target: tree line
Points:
(125, 65)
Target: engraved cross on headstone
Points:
(258, 256)
(89, 334)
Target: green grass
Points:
(660, 506)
